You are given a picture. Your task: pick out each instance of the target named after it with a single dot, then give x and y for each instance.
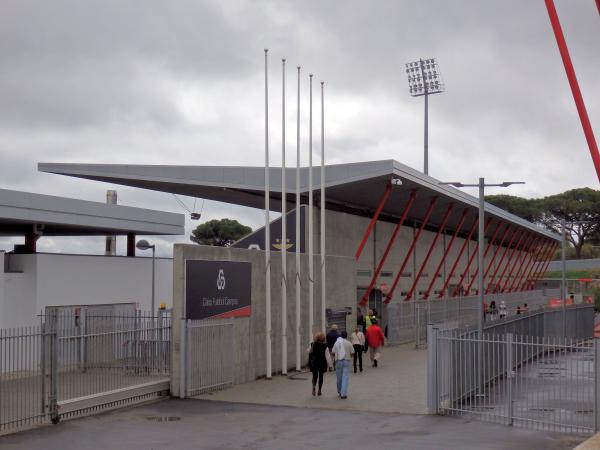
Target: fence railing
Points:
(537, 381)
(407, 321)
(72, 363)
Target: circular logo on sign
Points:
(221, 280)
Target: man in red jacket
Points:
(375, 339)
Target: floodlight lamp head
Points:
(143, 244)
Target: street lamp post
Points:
(481, 239)
(424, 79)
(145, 245)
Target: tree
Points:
(220, 233)
(580, 209)
(528, 209)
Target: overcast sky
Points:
(181, 82)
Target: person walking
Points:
(332, 337)
(357, 338)
(502, 309)
(375, 339)
(317, 361)
(342, 351)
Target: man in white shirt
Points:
(342, 351)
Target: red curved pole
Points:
(579, 103)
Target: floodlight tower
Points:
(424, 79)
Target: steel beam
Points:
(542, 248)
(389, 295)
(506, 250)
(384, 197)
(458, 257)
(524, 263)
(496, 252)
(390, 243)
(543, 266)
(471, 259)
(428, 255)
(487, 249)
(441, 263)
(514, 252)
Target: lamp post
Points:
(424, 79)
(145, 245)
(481, 239)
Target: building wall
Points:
(250, 332)
(39, 280)
(345, 232)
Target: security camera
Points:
(396, 181)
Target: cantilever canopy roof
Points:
(355, 188)
(60, 216)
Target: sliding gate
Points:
(208, 355)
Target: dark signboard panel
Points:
(256, 240)
(217, 289)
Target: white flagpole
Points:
(311, 274)
(267, 230)
(283, 233)
(323, 286)
(298, 239)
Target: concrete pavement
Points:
(195, 424)
(398, 385)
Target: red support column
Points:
(572, 77)
(540, 263)
(487, 249)
(456, 261)
(526, 244)
(411, 200)
(388, 297)
(524, 263)
(510, 259)
(384, 197)
(428, 255)
(541, 268)
(540, 251)
(441, 263)
(499, 246)
(506, 250)
(471, 259)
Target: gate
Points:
(75, 363)
(208, 355)
(546, 383)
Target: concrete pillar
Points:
(130, 244)
(31, 241)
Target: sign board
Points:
(217, 289)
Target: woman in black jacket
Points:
(317, 360)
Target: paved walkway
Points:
(193, 424)
(398, 385)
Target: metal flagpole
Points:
(323, 279)
(267, 230)
(283, 233)
(310, 219)
(298, 239)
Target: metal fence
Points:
(73, 363)
(540, 382)
(407, 321)
(207, 356)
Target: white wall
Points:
(57, 279)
